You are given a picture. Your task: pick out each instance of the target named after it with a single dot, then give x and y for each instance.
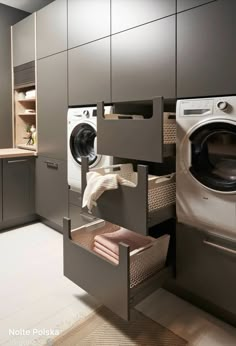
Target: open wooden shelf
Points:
(27, 100)
(27, 113)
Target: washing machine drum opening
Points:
(213, 149)
(82, 143)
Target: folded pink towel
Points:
(111, 240)
(106, 255)
(105, 249)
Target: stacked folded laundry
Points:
(107, 245)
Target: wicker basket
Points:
(161, 189)
(142, 264)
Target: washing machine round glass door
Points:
(213, 156)
(83, 143)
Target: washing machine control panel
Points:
(86, 113)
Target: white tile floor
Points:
(35, 296)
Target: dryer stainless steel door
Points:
(213, 155)
(83, 143)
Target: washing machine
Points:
(81, 141)
(206, 164)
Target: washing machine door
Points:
(83, 143)
(213, 155)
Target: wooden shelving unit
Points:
(25, 116)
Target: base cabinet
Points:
(18, 188)
(206, 266)
(51, 190)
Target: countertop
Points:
(15, 152)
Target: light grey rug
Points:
(103, 328)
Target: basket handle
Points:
(112, 168)
(168, 176)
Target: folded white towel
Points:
(98, 183)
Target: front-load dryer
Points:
(206, 164)
(81, 141)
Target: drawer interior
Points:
(113, 284)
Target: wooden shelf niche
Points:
(25, 116)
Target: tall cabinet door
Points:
(143, 61)
(89, 73)
(1, 190)
(52, 106)
(23, 36)
(206, 54)
(52, 29)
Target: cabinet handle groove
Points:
(220, 247)
(15, 161)
(51, 164)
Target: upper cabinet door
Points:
(127, 14)
(206, 54)
(183, 5)
(89, 73)
(24, 41)
(52, 105)
(143, 62)
(51, 29)
(87, 21)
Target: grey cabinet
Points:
(87, 21)
(206, 266)
(51, 30)
(206, 54)
(183, 5)
(18, 188)
(51, 190)
(52, 106)
(89, 73)
(127, 14)
(23, 39)
(143, 61)
(1, 190)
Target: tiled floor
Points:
(34, 294)
(36, 297)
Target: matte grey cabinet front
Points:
(87, 21)
(24, 41)
(1, 190)
(51, 29)
(129, 13)
(206, 54)
(206, 266)
(183, 5)
(18, 188)
(89, 73)
(51, 189)
(52, 106)
(143, 61)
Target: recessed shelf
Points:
(26, 113)
(27, 146)
(27, 100)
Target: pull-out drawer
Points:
(117, 286)
(149, 202)
(150, 136)
(206, 266)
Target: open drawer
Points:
(150, 137)
(117, 286)
(150, 202)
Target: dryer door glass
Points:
(213, 149)
(82, 142)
